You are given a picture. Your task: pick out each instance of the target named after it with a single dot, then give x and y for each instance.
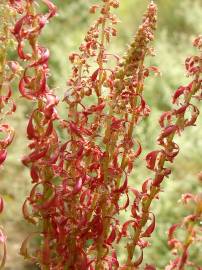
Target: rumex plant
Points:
(191, 224)
(40, 129)
(80, 180)
(183, 115)
(98, 160)
(8, 71)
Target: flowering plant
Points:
(80, 182)
(9, 69)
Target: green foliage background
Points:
(179, 23)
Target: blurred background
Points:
(179, 22)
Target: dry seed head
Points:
(140, 46)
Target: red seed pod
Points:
(78, 186)
(125, 205)
(94, 75)
(125, 228)
(198, 42)
(3, 154)
(194, 115)
(168, 131)
(150, 229)
(34, 172)
(124, 187)
(1, 205)
(52, 8)
(166, 116)
(111, 238)
(171, 231)
(181, 110)
(180, 91)
(94, 8)
(43, 57)
(116, 124)
(139, 260)
(185, 198)
(5, 128)
(145, 185)
(138, 151)
(152, 159)
(112, 261)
